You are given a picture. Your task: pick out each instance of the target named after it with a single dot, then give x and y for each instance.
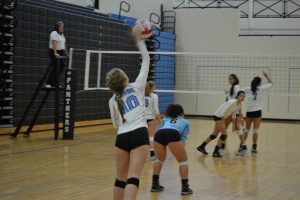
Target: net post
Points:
(87, 70)
(70, 58)
(99, 70)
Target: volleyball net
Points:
(192, 72)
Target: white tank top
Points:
(151, 104)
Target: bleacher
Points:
(84, 29)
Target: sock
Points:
(254, 146)
(223, 146)
(152, 153)
(203, 144)
(184, 182)
(155, 179)
(241, 145)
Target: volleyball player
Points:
(127, 109)
(173, 133)
(231, 94)
(152, 114)
(227, 109)
(254, 107)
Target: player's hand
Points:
(226, 92)
(56, 55)
(265, 74)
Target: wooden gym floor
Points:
(40, 168)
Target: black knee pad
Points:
(212, 137)
(133, 181)
(223, 137)
(120, 184)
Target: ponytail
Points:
(254, 84)
(236, 82)
(120, 106)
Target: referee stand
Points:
(68, 104)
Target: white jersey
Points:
(228, 108)
(254, 99)
(236, 89)
(151, 104)
(133, 99)
(59, 38)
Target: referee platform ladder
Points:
(68, 105)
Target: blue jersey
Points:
(180, 124)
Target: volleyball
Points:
(142, 29)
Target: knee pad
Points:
(133, 181)
(212, 137)
(240, 132)
(223, 137)
(255, 130)
(246, 130)
(151, 139)
(181, 163)
(159, 161)
(120, 184)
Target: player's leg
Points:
(178, 150)
(240, 132)
(122, 163)
(151, 131)
(211, 137)
(222, 138)
(161, 154)
(249, 121)
(136, 164)
(228, 120)
(256, 125)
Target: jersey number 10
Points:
(131, 103)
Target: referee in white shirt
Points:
(57, 48)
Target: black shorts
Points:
(254, 114)
(133, 139)
(149, 120)
(216, 118)
(165, 136)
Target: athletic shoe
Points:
(222, 151)
(217, 154)
(157, 188)
(185, 190)
(241, 151)
(202, 150)
(253, 150)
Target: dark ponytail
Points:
(254, 84)
(236, 82)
